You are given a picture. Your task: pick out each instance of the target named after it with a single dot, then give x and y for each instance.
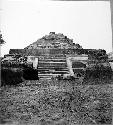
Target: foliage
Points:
(11, 76)
(1, 39)
(78, 46)
(15, 73)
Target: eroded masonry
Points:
(56, 54)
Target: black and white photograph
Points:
(56, 62)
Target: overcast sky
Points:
(86, 22)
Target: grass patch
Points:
(57, 102)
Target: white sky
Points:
(86, 22)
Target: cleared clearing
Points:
(53, 102)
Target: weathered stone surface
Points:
(52, 50)
(53, 41)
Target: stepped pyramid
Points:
(51, 51)
(52, 62)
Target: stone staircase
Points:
(51, 66)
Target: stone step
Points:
(78, 68)
(47, 75)
(60, 65)
(52, 67)
(53, 60)
(51, 57)
(46, 69)
(48, 78)
(43, 62)
(56, 68)
(53, 72)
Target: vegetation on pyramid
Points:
(52, 41)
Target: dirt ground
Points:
(53, 102)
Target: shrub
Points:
(30, 74)
(9, 76)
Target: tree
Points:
(77, 46)
(1, 39)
